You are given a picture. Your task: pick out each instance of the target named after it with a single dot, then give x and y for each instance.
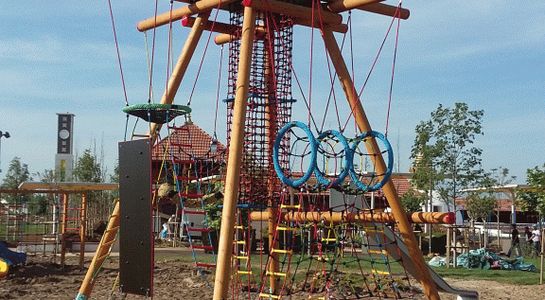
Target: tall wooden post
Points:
(232, 180)
(181, 66)
(103, 250)
(63, 226)
(82, 229)
(430, 290)
(270, 135)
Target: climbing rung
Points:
(286, 206)
(203, 247)
(198, 229)
(286, 228)
(380, 272)
(281, 251)
(244, 272)
(205, 265)
(277, 274)
(270, 296)
(377, 252)
(242, 257)
(239, 242)
(328, 240)
(374, 230)
(193, 212)
(239, 227)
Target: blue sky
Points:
(60, 57)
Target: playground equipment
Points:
(72, 221)
(278, 170)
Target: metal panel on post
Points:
(135, 232)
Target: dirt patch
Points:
(43, 279)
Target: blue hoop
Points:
(322, 180)
(387, 173)
(312, 143)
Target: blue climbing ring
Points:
(389, 165)
(321, 179)
(313, 150)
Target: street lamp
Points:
(6, 135)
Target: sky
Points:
(60, 57)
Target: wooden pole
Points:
(270, 135)
(405, 229)
(225, 38)
(181, 67)
(102, 252)
(63, 226)
(362, 217)
(449, 243)
(542, 258)
(386, 10)
(232, 180)
(293, 10)
(177, 14)
(344, 5)
(82, 229)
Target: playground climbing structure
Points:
(280, 171)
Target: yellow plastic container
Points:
(4, 268)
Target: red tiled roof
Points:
(186, 142)
(401, 183)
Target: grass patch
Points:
(502, 276)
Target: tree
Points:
(445, 158)
(479, 205)
(39, 203)
(534, 198)
(17, 173)
(412, 201)
(87, 168)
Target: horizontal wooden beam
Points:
(362, 217)
(66, 187)
(344, 5)
(387, 10)
(224, 38)
(294, 10)
(216, 27)
(179, 13)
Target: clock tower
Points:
(64, 159)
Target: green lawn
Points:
(504, 276)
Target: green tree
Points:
(17, 173)
(412, 201)
(88, 168)
(479, 205)
(445, 158)
(39, 203)
(534, 198)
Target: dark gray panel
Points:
(135, 232)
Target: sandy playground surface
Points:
(43, 279)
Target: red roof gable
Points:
(401, 183)
(187, 142)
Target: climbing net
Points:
(334, 252)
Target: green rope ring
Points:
(157, 113)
